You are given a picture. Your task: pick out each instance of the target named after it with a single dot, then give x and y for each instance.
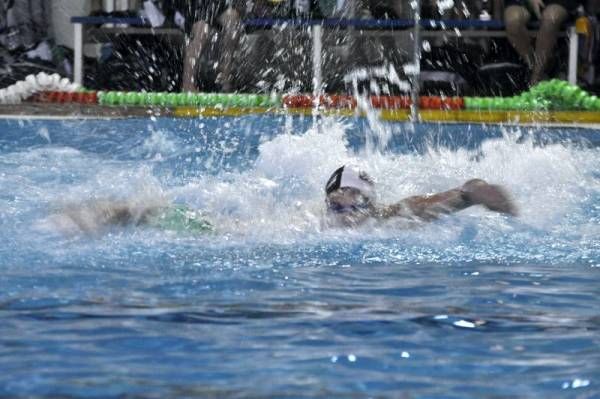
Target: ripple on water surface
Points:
(274, 305)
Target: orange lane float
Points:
(344, 101)
(377, 102)
(62, 97)
(436, 102)
(327, 101)
(390, 102)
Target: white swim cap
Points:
(350, 177)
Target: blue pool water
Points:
(476, 305)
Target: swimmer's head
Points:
(350, 192)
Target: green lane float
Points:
(220, 100)
(551, 101)
(551, 95)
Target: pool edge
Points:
(92, 111)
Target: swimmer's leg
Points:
(94, 216)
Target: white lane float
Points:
(23, 89)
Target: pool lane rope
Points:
(552, 95)
(33, 84)
(238, 100)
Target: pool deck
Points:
(93, 111)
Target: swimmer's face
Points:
(349, 206)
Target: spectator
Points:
(552, 14)
(391, 9)
(210, 15)
(25, 43)
(23, 23)
(345, 9)
(226, 16)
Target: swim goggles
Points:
(362, 204)
(337, 208)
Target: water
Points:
(476, 305)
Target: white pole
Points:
(414, 107)
(573, 48)
(122, 5)
(109, 5)
(78, 53)
(317, 36)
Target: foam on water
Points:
(279, 198)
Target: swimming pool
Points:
(273, 304)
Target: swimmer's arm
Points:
(430, 207)
(426, 207)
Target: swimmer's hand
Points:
(492, 196)
(537, 6)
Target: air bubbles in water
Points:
(43, 132)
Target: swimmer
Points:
(95, 216)
(350, 200)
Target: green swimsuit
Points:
(180, 218)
